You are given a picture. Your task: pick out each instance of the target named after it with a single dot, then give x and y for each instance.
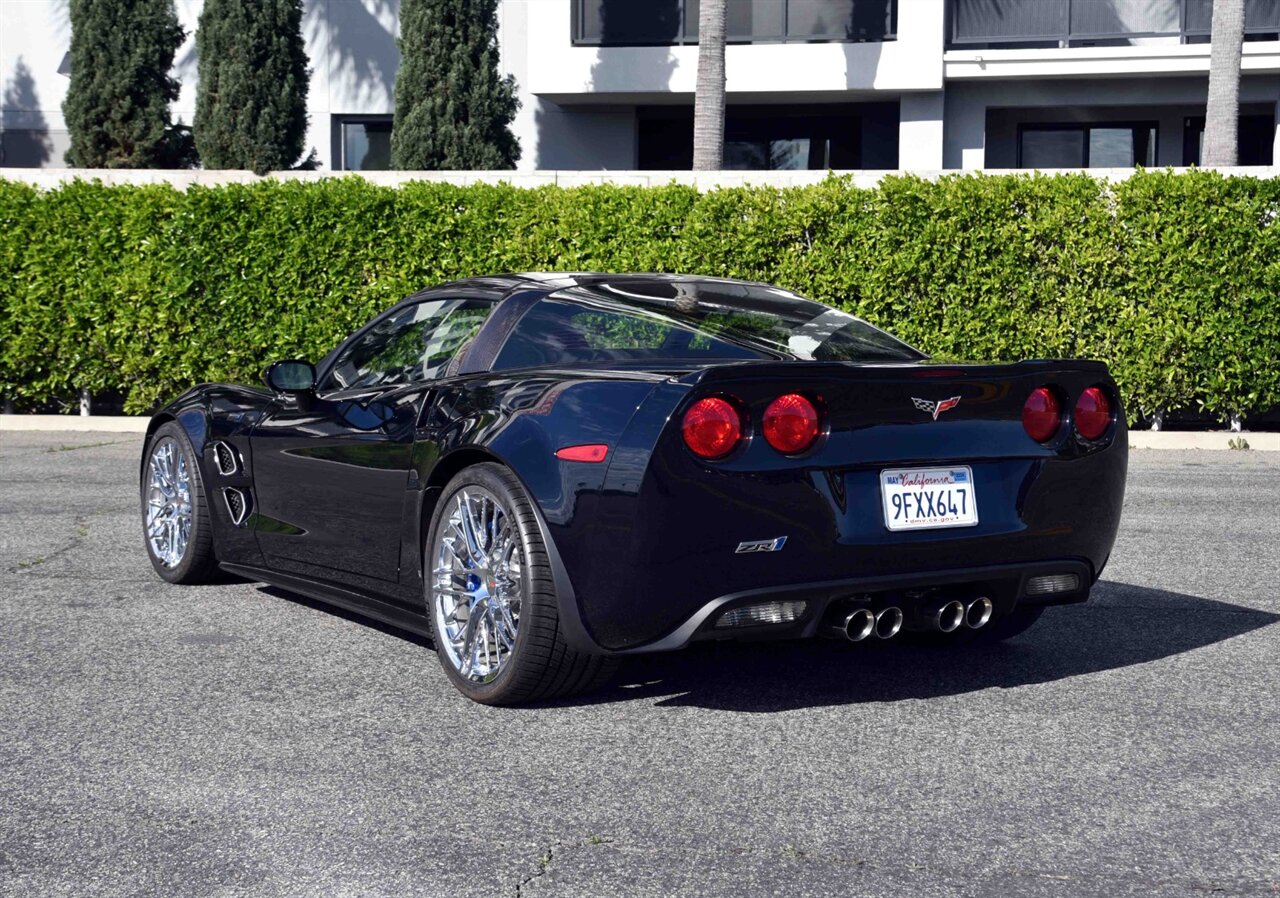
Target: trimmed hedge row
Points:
(1170, 278)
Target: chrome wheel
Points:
(168, 503)
(477, 584)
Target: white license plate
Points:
(924, 498)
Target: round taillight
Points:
(712, 427)
(1093, 413)
(1041, 414)
(790, 424)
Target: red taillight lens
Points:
(712, 427)
(1093, 413)
(1041, 415)
(790, 424)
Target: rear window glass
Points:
(691, 321)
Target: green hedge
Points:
(1170, 278)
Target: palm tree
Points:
(1222, 113)
(708, 100)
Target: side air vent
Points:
(225, 458)
(237, 504)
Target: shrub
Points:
(1171, 279)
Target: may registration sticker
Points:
(925, 498)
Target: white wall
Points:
(351, 45)
(559, 71)
(578, 102)
(34, 36)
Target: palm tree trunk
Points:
(708, 100)
(1222, 114)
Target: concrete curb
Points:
(86, 424)
(1138, 439)
(1217, 439)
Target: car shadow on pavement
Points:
(1121, 626)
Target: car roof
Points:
(501, 286)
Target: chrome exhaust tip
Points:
(978, 613)
(888, 622)
(858, 624)
(950, 616)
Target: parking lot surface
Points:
(232, 740)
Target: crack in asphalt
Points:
(82, 532)
(548, 853)
(544, 864)
(8, 449)
(66, 448)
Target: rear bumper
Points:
(1005, 585)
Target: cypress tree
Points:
(117, 105)
(453, 109)
(251, 101)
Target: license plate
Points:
(925, 498)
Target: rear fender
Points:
(536, 417)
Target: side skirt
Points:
(347, 599)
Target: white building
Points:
(843, 84)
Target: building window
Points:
(366, 143)
(1091, 23)
(1255, 140)
(628, 23)
(763, 138)
(1109, 145)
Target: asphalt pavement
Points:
(231, 740)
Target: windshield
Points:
(693, 320)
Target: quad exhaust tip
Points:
(859, 624)
(888, 622)
(950, 616)
(978, 613)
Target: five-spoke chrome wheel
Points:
(168, 511)
(477, 584)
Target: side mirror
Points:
(294, 376)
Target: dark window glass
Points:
(839, 20)
(1107, 18)
(760, 138)
(628, 22)
(662, 22)
(787, 154)
(1255, 140)
(1087, 146)
(1259, 15)
(1052, 148)
(413, 344)
(1000, 20)
(1025, 23)
(657, 321)
(1122, 147)
(366, 145)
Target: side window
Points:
(414, 344)
(557, 332)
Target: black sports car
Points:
(545, 472)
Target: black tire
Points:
(198, 563)
(541, 665)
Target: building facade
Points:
(812, 84)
